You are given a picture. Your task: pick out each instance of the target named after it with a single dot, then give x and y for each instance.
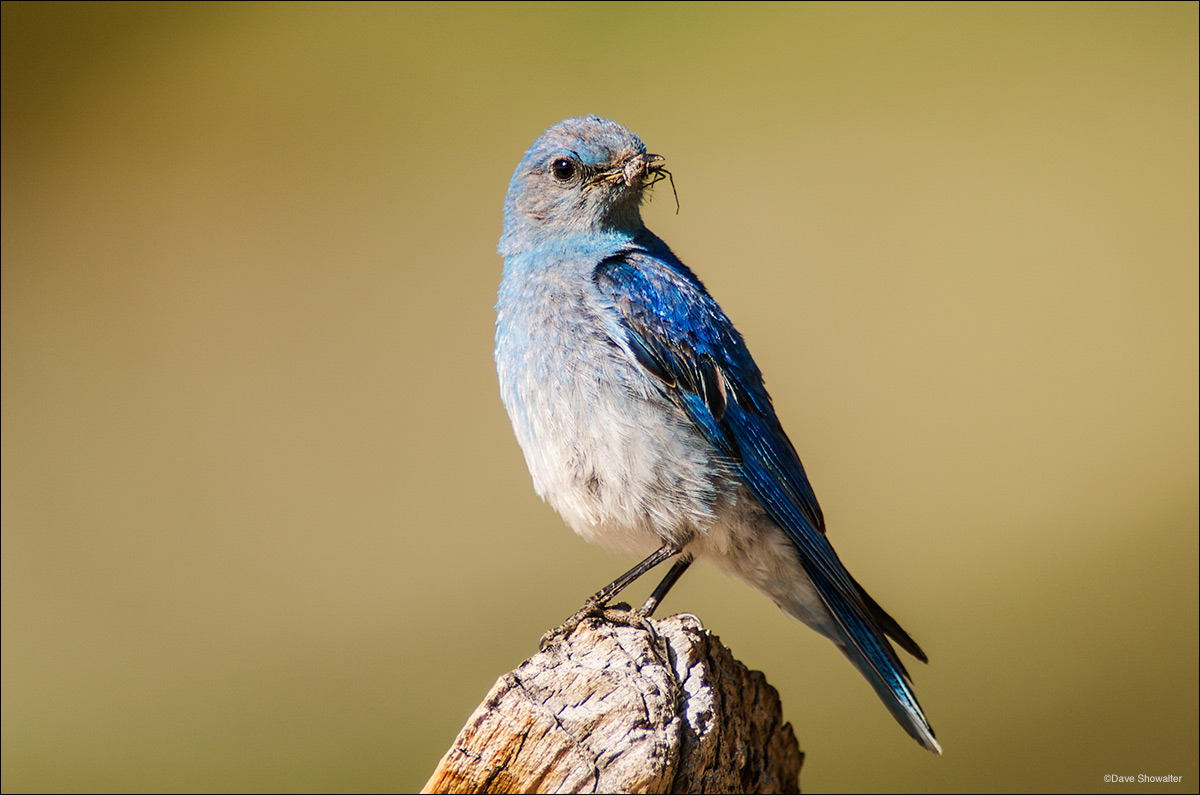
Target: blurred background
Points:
(266, 527)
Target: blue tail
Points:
(773, 472)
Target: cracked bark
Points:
(659, 706)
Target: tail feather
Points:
(902, 705)
(889, 625)
(864, 644)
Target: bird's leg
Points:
(597, 602)
(605, 594)
(668, 582)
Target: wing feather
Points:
(692, 348)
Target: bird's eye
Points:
(562, 169)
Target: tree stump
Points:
(635, 706)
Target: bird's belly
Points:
(622, 464)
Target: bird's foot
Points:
(591, 609)
(617, 613)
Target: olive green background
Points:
(265, 525)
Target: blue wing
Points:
(677, 332)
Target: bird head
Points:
(583, 175)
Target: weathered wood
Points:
(653, 706)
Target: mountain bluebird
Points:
(644, 419)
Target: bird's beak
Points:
(642, 168)
(638, 172)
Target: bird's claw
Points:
(618, 613)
